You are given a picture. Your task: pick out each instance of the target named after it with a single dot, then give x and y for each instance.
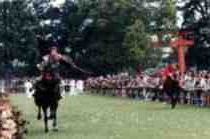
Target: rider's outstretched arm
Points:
(70, 61)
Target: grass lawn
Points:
(95, 117)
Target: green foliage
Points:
(103, 38)
(168, 15)
(94, 33)
(196, 19)
(138, 47)
(161, 15)
(136, 41)
(17, 35)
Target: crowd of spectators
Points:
(25, 85)
(195, 86)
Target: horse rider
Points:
(49, 67)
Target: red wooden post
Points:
(181, 59)
(180, 44)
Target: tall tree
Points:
(196, 14)
(139, 51)
(93, 32)
(102, 26)
(17, 36)
(98, 28)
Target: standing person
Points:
(28, 88)
(2, 86)
(72, 87)
(172, 89)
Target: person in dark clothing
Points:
(172, 89)
(49, 68)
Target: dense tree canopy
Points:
(17, 36)
(105, 36)
(196, 14)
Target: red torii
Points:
(180, 43)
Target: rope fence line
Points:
(194, 96)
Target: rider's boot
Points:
(58, 87)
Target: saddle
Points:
(47, 87)
(48, 82)
(47, 76)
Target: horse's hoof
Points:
(173, 107)
(39, 117)
(46, 130)
(26, 131)
(55, 130)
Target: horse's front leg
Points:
(45, 120)
(54, 117)
(39, 115)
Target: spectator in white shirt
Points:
(28, 89)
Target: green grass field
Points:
(95, 117)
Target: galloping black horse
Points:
(46, 97)
(172, 89)
(47, 93)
